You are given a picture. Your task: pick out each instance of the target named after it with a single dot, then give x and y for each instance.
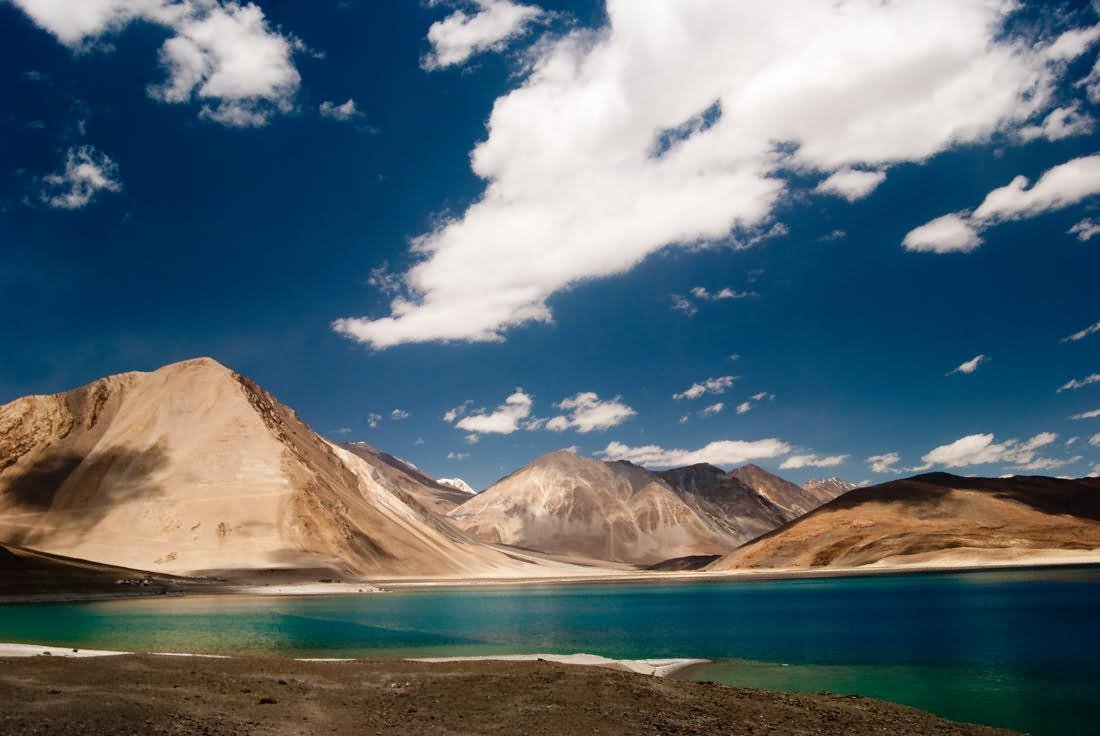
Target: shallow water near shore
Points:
(1012, 648)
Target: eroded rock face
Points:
(195, 469)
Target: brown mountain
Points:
(194, 468)
(936, 518)
(793, 500)
(572, 505)
(744, 513)
(407, 481)
(830, 487)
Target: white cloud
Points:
(1082, 334)
(712, 410)
(1076, 383)
(87, 172)
(222, 54)
(343, 112)
(452, 414)
(1087, 414)
(459, 36)
(744, 407)
(399, 414)
(794, 462)
(951, 233)
(472, 439)
(980, 449)
(969, 366)
(661, 130)
(1085, 229)
(419, 441)
(1058, 187)
(684, 419)
(851, 184)
(761, 396)
(504, 420)
(683, 305)
(587, 412)
(1095, 440)
(373, 420)
(1062, 122)
(1048, 463)
(718, 385)
(884, 463)
(722, 452)
(722, 294)
(457, 455)
(1073, 43)
(342, 430)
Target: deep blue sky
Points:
(245, 244)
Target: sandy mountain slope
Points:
(193, 468)
(413, 486)
(567, 504)
(935, 518)
(744, 513)
(793, 500)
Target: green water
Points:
(1017, 649)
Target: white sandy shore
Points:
(307, 589)
(655, 667)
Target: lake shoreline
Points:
(62, 695)
(381, 585)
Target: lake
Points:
(1012, 648)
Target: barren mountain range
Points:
(193, 469)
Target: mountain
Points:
(831, 487)
(195, 469)
(567, 504)
(713, 493)
(459, 485)
(407, 481)
(793, 500)
(935, 518)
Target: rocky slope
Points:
(936, 518)
(459, 485)
(572, 505)
(193, 468)
(413, 486)
(793, 500)
(743, 512)
(827, 487)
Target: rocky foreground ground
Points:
(142, 694)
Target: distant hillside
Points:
(935, 518)
(827, 487)
(792, 499)
(407, 480)
(567, 504)
(743, 512)
(459, 485)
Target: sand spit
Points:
(655, 667)
(143, 694)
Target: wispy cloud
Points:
(1076, 383)
(981, 449)
(722, 452)
(969, 366)
(795, 462)
(1087, 414)
(884, 463)
(1082, 334)
(87, 172)
(718, 385)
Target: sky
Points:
(853, 239)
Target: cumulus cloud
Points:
(722, 294)
(343, 112)
(969, 366)
(399, 414)
(505, 419)
(1082, 334)
(981, 449)
(460, 35)
(1085, 229)
(851, 184)
(718, 385)
(1062, 122)
(222, 54)
(1058, 187)
(884, 463)
(1076, 383)
(87, 172)
(586, 412)
(712, 410)
(452, 414)
(1087, 414)
(794, 462)
(744, 407)
(721, 452)
(952, 233)
(577, 187)
(373, 420)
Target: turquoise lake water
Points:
(1018, 649)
